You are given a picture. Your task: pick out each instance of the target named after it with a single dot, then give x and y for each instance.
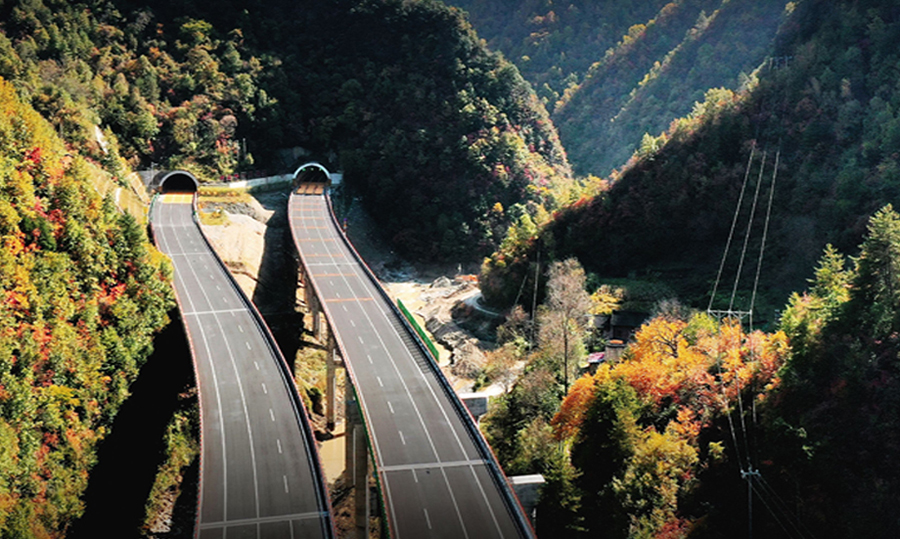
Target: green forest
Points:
(611, 72)
(601, 156)
(84, 292)
(798, 409)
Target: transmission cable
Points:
(762, 247)
(733, 226)
(737, 277)
(780, 504)
(737, 448)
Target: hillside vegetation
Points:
(667, 441)
(173, 95)
(611, 72)
(439, 136)
(658, 71)
(83, 294)
(830, 112)
(554, 44)
(400, 95)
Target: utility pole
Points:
(749, 475)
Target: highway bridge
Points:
(437, 475)
(259, 473)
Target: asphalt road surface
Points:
(435, 480)
(259, 473)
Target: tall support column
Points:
(351, 418)
(331, 385)
(316, 316)
(361, 481)
(357, 463)
(307, 289)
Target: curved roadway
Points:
(438, 477)
(259, 473)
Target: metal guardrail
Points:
(497, 474)
(300, 414)
(421, 332)
(287, 378)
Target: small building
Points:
(620, 325)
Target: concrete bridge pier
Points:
(312, 304)
(316, 312)
(331, 364)
(303, 282)
(357, 462)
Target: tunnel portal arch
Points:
(178, 181)
(311, 172)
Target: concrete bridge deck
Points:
(437, 475)
(260, 476)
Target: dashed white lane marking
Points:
(352, 323)
(272, 414)
(219, 311)
(415, 477)
(255, 364)
(379, 381)
(402, 439)
(344, 306)
(286, 491)
(212, 277)
(427, 520)
(369, 358)
(265, 389)
(240, 327)
(278, 442)
(360, 339)
(391, 407)
(248, 346)
(218, 287)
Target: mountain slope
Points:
(555, 44)
(84, 293)
(611, 72)
(646, 82)
(401, 95)
(832, 113)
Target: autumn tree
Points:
(568, 304)
(84, 293)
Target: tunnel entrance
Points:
(179, 181)
(311, 176)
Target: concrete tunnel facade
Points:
(178, 181)
(311, 172)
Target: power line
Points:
(762, 246)
(737, 277)
(734, 220)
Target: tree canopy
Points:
(84, 292)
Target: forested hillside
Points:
(699, 413)
(172, 96)
(440, 137)
(658, 71)
(610, 72)
(830, 112)
(401, 95)
(83, 293)
(554, 44)
(669, 440)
